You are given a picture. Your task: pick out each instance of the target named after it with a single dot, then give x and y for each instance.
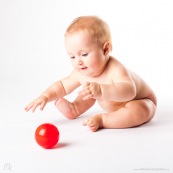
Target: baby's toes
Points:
(93, 128)
(90, 123)
(85, 122)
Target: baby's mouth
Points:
(83, 68)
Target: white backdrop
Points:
(32, 54)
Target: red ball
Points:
(47, 135)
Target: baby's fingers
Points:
(86, 94)
(43, 104)
(32, 106)
(28, 107)
(86, 97)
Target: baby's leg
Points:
(74, 109)
(134, 113)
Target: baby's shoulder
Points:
(115, 66)
(113, 62)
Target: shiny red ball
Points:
(47, 135)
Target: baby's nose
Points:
(80, 61)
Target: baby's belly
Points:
(110, 106)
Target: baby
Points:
(126, 99)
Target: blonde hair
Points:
(98, 28)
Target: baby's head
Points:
(95, 26)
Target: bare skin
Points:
(119, 114)
(127, 100)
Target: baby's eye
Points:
(84, 54)
(72, 57)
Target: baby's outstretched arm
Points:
(42, 101)
(57, 90)
(53, 92)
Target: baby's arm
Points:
(54, 91)
(121, 89)
(58, 90)
(119, 92)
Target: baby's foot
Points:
(93, 123)
(66, 108)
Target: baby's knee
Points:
(142, 110)
(148, 110)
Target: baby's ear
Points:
(106, 48)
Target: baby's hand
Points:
(90, 90)
(42, 101)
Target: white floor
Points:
(141, 149)
(32, 57)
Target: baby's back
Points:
(143, 90)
